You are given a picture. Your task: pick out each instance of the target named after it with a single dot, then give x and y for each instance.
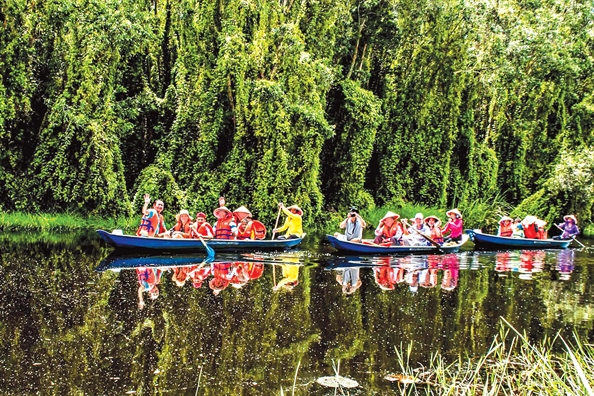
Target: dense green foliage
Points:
(321, 103)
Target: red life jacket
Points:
(436, 234)
(224, 228)
(530, 231)
(179, 227)
(245, 231)
(153, 225)
(505, 231)
(259, 229)
(389, 232)
(205, 229)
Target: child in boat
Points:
(569, 227)
(505, 227)
(455, 226)
(517, 229)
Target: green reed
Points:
(18, 221)
(512, 365)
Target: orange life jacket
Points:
(389, 232)
(180, 227)
(223, 230)
(245, 231)
(259, 229)
(505, 231)
(153, 225)
(435, 234)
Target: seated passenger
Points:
(541, 233)
(152, 223)
(529, 226)
(569, 227)
(225, 227)
(353, 226)
(433, 223)
(182, 228)
(245, 224)
(455, 226)
(201, 228)
(389, 230)
(517, 229)
(505, 227)
(412, 234)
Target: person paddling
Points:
(293, 223)
(569, 227)
(455, 226)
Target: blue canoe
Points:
(498, 242)
(116, 262)
(366, 248)
(134, 242)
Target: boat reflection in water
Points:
(389, 272)
(527, 263)
(196, 270)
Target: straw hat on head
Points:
(505, 218)
(568, 217)
(455, 211)
(437, 220)
(297, 208)
(183, 212)
(390, 215)
(221, 212)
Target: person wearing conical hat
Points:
(530, 227)
(389, 230)
(455, 226)
(433, 223)
(293, 223)
(505, 227)
(541, 233)
(569, 227)
(244, 223)
(225, 227)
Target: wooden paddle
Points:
(276, 224)
(431, 241)
(581, 244)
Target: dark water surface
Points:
(67, 328)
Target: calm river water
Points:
(70, 322)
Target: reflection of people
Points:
(569, 227)
(152, 223)
(148, 279)
(565, 266)
(290, 277)
(502, 262)
(199, 273)
(180, 275)
(385, 276)
(451, 269)
(293, 224)
(349, 279)
(353, 226)
(222, 273)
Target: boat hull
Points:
(132, 242)
(363, 248)
(487, 241)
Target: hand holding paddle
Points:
(280, 207)
(431, 241)
(573, 237)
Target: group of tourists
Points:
(393, 231)
(532, 227)
(238, 224)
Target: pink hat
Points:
(217, 211)
(201, 214)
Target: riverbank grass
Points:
(17, 221)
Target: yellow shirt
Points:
(293, 224)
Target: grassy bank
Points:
(512, 366)
(60, 222)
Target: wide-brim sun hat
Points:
(540, 223)
(219, 210)
(419, 216)
(390, 215)
(455, 211)
(437, 220)
(529, 220)
(183, 212)
(505, 218)
(572, 217)
(297, 208)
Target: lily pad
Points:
(336, 380)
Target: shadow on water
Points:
(79, 318)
